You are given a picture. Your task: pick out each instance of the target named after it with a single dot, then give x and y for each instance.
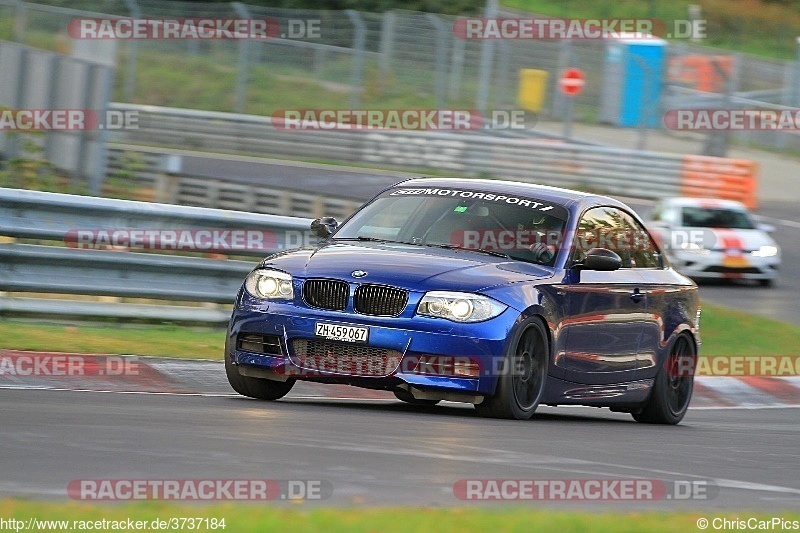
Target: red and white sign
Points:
(572, 81)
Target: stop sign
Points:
(572, 81)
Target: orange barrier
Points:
(704, 73)
(719, 177)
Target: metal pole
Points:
(19, 100)
(717, 141)
(796, 85)
(563, 62)
(101, 143)
(568, 116)
(129, 87)
(243, 66)
(387, 40)
(502, 75)
(357, 68)
(52, 96)
(20, 22)
(441, 57)
(487, 53)
(567, 99)
(83, 143)
(457, 68)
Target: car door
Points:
(658, 286)
(604, 311)
(671, 300)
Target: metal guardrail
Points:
(63, 270)
(50, 269)
(50, 216)
(644, 174)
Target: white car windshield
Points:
(704, 217)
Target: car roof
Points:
(574, 200)
(708, 203)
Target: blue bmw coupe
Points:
(500, 294)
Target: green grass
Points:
(728, 332)
(259, 518)
(165, 341)
(724, 332)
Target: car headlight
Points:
(459, 306)
(693, 247)
(765, 251)
(269, 284)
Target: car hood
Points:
(408, 266)
(737, 239)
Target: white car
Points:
(719, 239)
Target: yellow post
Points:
(532, 89)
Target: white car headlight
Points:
(765, 251)
(693, 247)
(269, 284)
(459, 306)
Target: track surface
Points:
(384, 452)
(778, 302)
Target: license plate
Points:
(735, 261)
(336, 332)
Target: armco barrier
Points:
(604, 169)
(50, 216)
(27, 268)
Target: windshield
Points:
(703, 217)
(525, 229)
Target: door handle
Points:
(637, 296)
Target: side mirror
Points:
(601, 259)
(324, 227)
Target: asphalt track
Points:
(778, 302)
(382, 452)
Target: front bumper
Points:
(721, 265)
(411, 339)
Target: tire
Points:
(520, 390)
(671, 394)
(405, 396)
(261, 389)
(765, 282)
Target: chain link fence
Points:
(398, 59)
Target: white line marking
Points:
(358, 400)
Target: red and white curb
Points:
(193, 377)
(748, 391)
